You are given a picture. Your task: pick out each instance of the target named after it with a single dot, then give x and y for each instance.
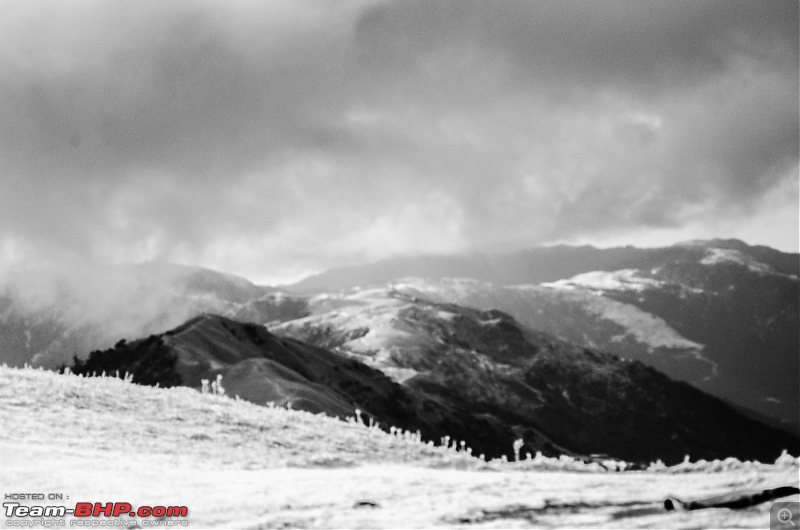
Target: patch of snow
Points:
(620, 280)
(715, 256)
(398, 375)
(446, 287)
(446, 315)
(644, 327)
(369, 294)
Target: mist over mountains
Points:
(49, 315)
(516, 343)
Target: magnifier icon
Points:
(785, 516)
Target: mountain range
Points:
(720, 315)
(462, 341)
(469, 375)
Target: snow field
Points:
(235, 464)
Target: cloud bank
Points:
(275, 139)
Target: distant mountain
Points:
(535, 265)
(554, 394)
(47, 315)
(718, 314)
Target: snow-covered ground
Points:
(235, 464)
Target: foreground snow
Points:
(238, 465)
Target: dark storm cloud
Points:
(726, 71)
(275, 138)
(176, 95)
(160, 115)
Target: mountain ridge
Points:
(719, 314)
(478, 377)
(482, 357)
(678, 315)
(267, 369)
(552, 263)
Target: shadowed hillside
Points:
(262, 368)
(472, 375)
(719, 314)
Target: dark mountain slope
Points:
(552, 393)
(262, 368)
(719, 314)
(748, 323)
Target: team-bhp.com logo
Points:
(89, 514)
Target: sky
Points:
(278, 139)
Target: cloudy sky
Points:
(274, 139)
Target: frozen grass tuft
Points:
(214, 387)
